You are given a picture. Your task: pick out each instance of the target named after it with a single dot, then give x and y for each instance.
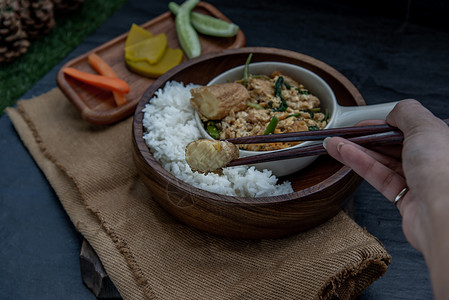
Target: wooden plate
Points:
(319, 190)
(96, 105)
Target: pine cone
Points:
(66, 6)
(13, 40)
(37, 17)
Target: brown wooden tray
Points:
(96, 105)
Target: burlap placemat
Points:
(150, 255)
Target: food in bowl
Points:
(169, 125)
(257, 105)
(210, 155)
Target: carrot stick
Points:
(101, 81)
(103, 68)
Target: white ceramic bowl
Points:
(340, 116)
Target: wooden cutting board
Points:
(94, 276)
(97, 106)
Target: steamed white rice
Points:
(170, 125)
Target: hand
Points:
(424, 168)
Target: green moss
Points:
(20, 75)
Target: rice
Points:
(170, 125)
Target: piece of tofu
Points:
(210, 155)
(217, 101)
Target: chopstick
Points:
(314, 135)
(374, 135)
(384, 138)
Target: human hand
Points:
(422, 165)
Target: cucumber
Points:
(187, 36)
(208, 25)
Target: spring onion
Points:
(271, 126)
(254, 105)
(246, 70)
(212, 130)
(278, 92)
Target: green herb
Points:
(254, 105)
(312, 128)
(278, 93)
(246, 70)
(294, 115)
(272, 125)
(212, 130)
(287, 85)
(312, 115)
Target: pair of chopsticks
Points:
(367, 136)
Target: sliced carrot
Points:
(101, 81)
(103, 68)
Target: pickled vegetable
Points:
(171, 58)
(137, 34)
(150, 49)
(139, 43)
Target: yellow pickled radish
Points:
(137, 34)
(170, 59)
(150, 49)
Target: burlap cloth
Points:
(149, 254)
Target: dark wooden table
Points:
(399, 51)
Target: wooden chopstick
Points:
(383, 138)
(368, 136)
(314, 135)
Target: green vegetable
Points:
(212, 130)
(278, 92)
(187, 36)
(294, 115)
(246, 70)
(326, 114)
(312, 115)
(304, 92)
(271, 126)
(207, 24)
(254, 105)
(312, 128)
(287, 85)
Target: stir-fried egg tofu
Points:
(210, 155)
(217, 101)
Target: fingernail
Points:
(339, 146)
(325, 142)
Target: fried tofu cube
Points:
(217, 101)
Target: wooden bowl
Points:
(319, 190)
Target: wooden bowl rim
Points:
(144, 151)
